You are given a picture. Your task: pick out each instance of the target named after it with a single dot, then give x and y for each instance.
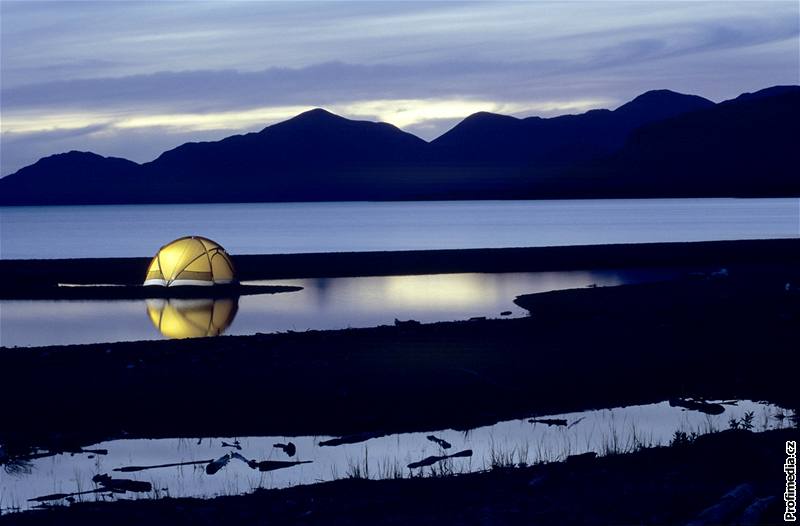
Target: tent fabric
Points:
(192, 260)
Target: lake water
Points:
(505, 443)
(268, 228)
(333, 303)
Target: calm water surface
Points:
(333, 303)
(270, 228)
(510, 442)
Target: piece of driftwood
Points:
(697, 405)
(107, 485)
(122, 485)
(272, 465)
(549, 421)
(289, 448)
(218, 464)
(429, 461)
(352, 439)
(131, 469)
(444, 444)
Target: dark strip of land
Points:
(25, 275)
(652, 486)
(137, 292)
(723, 337)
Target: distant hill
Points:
(74, 178)
(487, 137)
(661, 143)
(313, 156)
(746, 146)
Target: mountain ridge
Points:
(553, 139)
(318, 155)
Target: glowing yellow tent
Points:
(190, 260)
(191, 318)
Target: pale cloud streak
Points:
(400, 112)
(133, 78)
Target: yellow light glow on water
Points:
(193, 318)
(441, 291)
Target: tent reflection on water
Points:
(192, 318)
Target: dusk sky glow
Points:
(132, 79)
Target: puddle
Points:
(243, 464)
(325, 303)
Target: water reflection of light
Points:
(438, 290)
(192, 318)
(325, 303)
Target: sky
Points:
(132, 79)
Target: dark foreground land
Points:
(730, 336)
(718, 335)
(733, 477)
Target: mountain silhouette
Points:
(315, 153)
(659, 144)
(74, 178)
(747, 146)
(331, 138)
(487, 137)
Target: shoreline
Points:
(25, 275)
(621, 196)
(712, 336)
(139, 292)
(629, 488)
(698, 333)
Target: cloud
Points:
(400, 112)
(549, 67)
(338, 82)
(104, 75)
(11, 138)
